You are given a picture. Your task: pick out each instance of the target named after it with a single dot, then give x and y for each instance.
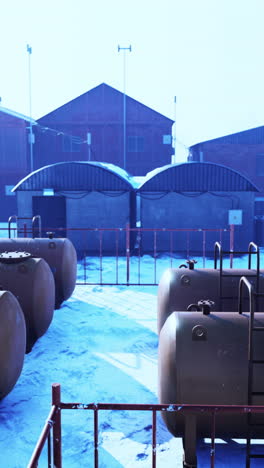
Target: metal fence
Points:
(52, 437)
(128, 250)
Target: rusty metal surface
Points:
(212, 410)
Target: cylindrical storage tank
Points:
(203, 360)
(32, 283)
(60, 255)
(180, 287)
(12, 342)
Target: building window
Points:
(71, 144)
(166, 139)
(135, 144)
(260, 164)
(8, 189)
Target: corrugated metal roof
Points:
(252, 136)
(196, 177)
(77, 176)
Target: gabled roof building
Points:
(91, 128)
(14, 157)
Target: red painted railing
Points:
(128, 246)
(53, 424)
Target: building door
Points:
(53, 214)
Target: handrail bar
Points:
(250, 253)
(244, 282)
(9, 224)
(218, 247)
(33, 463)
(36, 217)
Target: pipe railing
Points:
(128, 246)
(54, 423)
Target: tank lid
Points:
(14, 257)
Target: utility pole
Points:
(174, 130)
(30, 136)
(124, 99)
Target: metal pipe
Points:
(95, 437)
(124, 101)
(128, 251)
(33, 463)
(154, 436)
(9, 224)
(56, 400)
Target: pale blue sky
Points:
(209, 53)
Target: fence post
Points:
(128, 251)
(232, 234)
(56, 400)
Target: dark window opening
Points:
(71, 144)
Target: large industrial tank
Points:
(60, 255)
(12, 341)
(203, 359)
(180, 287)
(32, 283)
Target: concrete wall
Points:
(191, 211)
(97, 210)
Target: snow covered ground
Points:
(101, 347)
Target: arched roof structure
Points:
(77, 176)
(196, 177)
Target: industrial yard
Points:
(101, 346)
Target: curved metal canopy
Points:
(196, 177)
(77, 176)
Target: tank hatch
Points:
(14, 257)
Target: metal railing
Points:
(129, 249)
(52, 427)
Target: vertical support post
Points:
(175, 129)
(171, 247)
(101, 254)
(212, 454)
(187, 244)
(155, 257)
(128, 252)
(95, 437)
(232, 235)
(49, 452)
(154, 435)
(189, 441)
(124, 102)
(117, 253)
(204, 247)
(31, 137)
(139, 251)
(84, 267)
(56, 400)
(25, 229)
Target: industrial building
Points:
(91, 128)
(88, 128)
(76, 199)
(14, 157)
(197, 196)
(243, 152)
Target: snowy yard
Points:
(101, 347)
